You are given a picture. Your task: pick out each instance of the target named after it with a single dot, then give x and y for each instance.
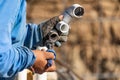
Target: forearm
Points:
(12, 28)
(15, 59)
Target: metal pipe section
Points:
(53, 36)
(74, 11)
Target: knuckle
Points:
(50, 54)
(51, 69)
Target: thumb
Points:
(61, 17)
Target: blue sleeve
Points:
(12, 59)
(34, 36)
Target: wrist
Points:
(32, 70)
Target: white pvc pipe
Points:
(22, 75)
(62, 27)
(41, 77)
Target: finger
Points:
(61, 17)
(51, 68)
(39, 67)
(49, 55)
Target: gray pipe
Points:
(53, 36)
(74, 11)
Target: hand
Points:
(50, 25)
(40, 65)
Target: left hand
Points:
(50, 25)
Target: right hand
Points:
(40, 64)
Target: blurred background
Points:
(92, 51)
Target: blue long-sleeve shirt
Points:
(15, 57)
